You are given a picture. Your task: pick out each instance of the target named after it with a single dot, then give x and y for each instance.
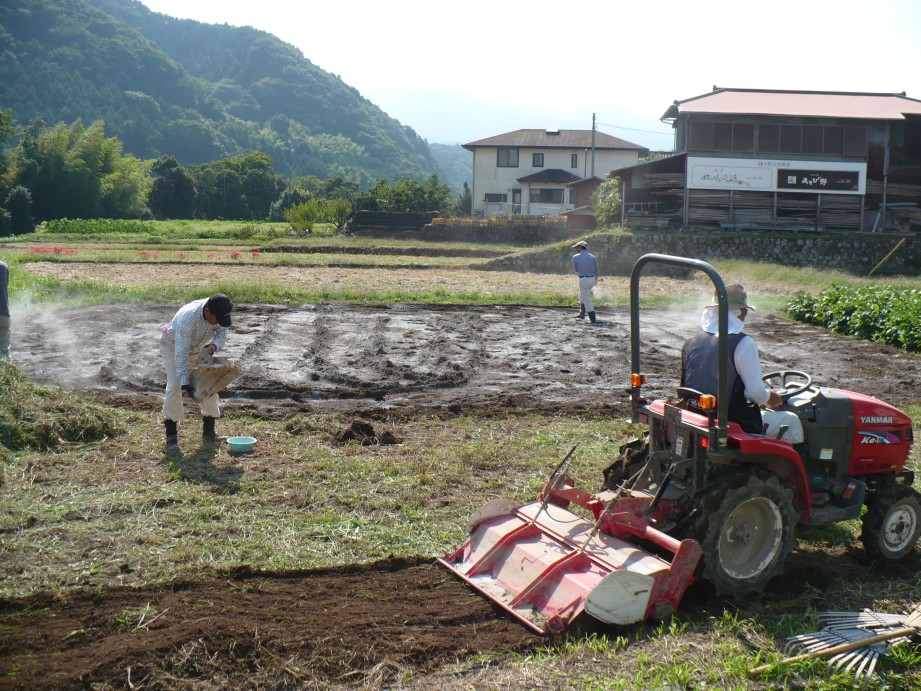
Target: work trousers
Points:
(586, 283)
(173, 408)
(775, 419)
(5, 337)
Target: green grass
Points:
(243, 233)
(304, 500)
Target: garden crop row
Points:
(875, 313)
(94, 226)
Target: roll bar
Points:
(722, 398)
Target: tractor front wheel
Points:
(892, 523)
(749, 536)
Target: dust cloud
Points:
(406, 356)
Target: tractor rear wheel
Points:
(892, 523)
(748, 536)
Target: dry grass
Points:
(306, 278)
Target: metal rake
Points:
(854, 641)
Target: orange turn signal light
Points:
(637, 379)
(708, 402)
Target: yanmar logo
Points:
(871, 420)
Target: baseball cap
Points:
(581, 243)
(220, 306)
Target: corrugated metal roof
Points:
(555, 139)
(550, 175)
(817, 104)
(656, 163)
(585, 181)
(587, 210)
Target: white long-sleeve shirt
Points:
(191, 332)
(745, 357)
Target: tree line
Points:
(75, 171)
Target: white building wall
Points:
(488, 178)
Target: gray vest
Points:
(699, 371)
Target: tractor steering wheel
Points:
(802, 382)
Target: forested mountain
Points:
(455, 164)
(198, 92)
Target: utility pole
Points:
(593, 145)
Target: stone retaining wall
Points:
(857, 254)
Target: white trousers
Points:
(586, 283)
(173, 408)
(775, 419)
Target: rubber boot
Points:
(208, 435)
(591, 317)
(172, 436)
(582, 313)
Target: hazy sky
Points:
(458, 72)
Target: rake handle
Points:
(835, 649)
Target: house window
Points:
(722, 136)
(507, 158)
(825, 140)
(769, 139)
(812, 139)
(495, 197)
(791, 139)
(743, 137)
(572, 197)
(700, 136)
(574, 161)
(546, 196)
(834, 140)
(537, 160)
(855, 141)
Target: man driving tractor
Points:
(747, 391)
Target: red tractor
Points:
(695, 497)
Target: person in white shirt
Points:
(747, 391)
(198, 327)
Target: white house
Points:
(527, 171)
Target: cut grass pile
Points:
(47, 417)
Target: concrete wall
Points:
(617, 253)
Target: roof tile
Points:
(829, 104)
(559, 139)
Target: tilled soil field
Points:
(357, 625)
(407, 356)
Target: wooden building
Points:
(786, 160)
(582, 215)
